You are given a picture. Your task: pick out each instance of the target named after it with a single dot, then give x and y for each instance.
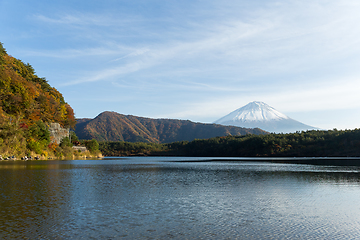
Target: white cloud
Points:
(294, 55)
(267, 44)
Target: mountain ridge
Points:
(113, 126)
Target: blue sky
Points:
(196, 60)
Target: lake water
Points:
(164, 198)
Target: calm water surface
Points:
(162, 198)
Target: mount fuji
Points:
(260, 115)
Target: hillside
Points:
(28, 105)
(29, 98)
(112, 126)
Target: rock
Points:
(57, 133)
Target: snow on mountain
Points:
(254, 111)
(260, 115)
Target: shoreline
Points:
(43, 158)
(325, 161)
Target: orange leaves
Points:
(22, 93)
(70, 117)
(52, 146)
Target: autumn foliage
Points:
(24, 94)
(27, 105)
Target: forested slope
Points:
(27, 105)
(112, 126)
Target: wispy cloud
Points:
(286, 53)
(269, 43)
(108, 74)
(87, 19)
(76, 53)
(136, 53)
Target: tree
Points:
(65, 142)
(92, 145)
(39, 131)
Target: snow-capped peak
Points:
(254, 111)
(260, 115)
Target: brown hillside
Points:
(112, 126)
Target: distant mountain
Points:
(260, 115)
(112, 126)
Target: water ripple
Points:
(172, 200)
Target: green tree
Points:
(39, 131)
(92, 145)
(65, 142)
(74, 139)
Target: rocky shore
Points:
(29, 158)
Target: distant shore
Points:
(334, 161)
(331, 161)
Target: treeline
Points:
(299, 144)
(28, 104)
(130, 148)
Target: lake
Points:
(177, 198)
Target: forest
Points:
(315, 143)
(28, 104)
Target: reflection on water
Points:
(161, 198)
